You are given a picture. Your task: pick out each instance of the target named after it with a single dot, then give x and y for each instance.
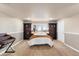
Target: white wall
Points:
(10, 25)
(71, 24)
(60, 30)
(13, 27)
(72, 32)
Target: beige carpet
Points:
(59, 49)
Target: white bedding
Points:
(40, 33)
(41, 40)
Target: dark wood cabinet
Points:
(53, 30)
(27, 30)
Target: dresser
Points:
(27, 31)
(53, 30)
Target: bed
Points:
(40, 33)
(40, 38)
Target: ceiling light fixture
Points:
(51, 18)
(27, 18)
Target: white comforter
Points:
(40, 40)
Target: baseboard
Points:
(12, 46)
(71, 47)
(72, 33)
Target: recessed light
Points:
(27, 18)
(51, 18)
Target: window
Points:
(41, 27)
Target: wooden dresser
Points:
(53, 30)
(27, 30)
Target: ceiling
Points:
(39, 11)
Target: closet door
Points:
(53, 30)
(27, 30)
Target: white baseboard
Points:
(72, 33)
(11, 46)
(71, 47)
